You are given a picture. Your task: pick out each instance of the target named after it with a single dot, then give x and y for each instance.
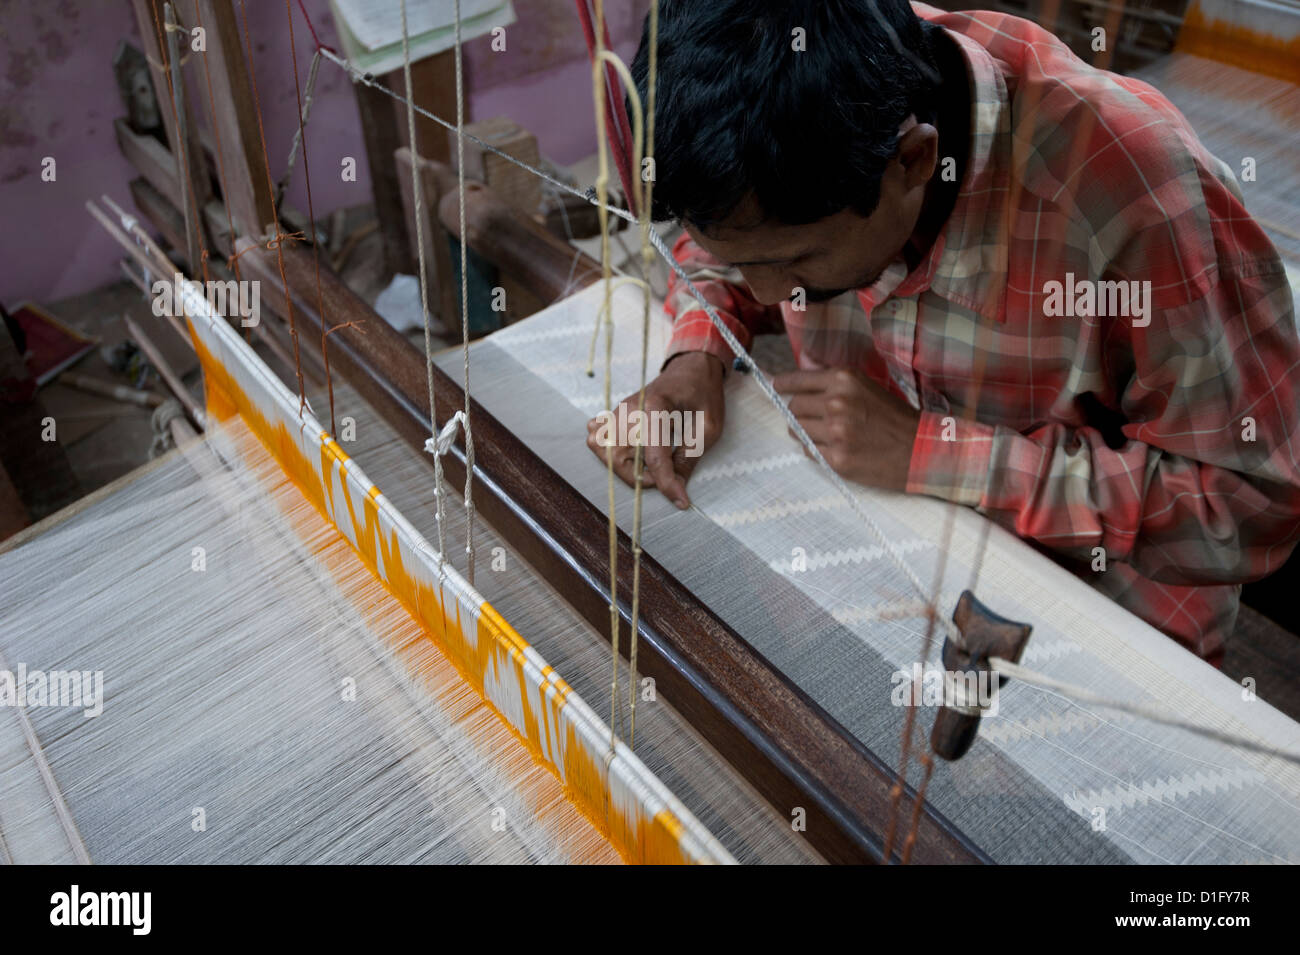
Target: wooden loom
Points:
(789, 747)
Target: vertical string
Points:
(602, 194)
(464, 297)
(417, 192)
(311, 212)
(647, 260)
(278, 241)
(909, 719)
(602, 57)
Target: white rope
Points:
(1153, 714)
(441, 443)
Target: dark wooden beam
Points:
(787, 746)
(155, 207)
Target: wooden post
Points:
(149, 17)
(433, 87)
(545, 266)
(384, 128)
(379, 129)
(514, 186)
(191, 207)
(436, 180)
(517, 186)
(238, 143)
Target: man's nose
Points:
(768, 286)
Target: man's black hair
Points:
(808, 132)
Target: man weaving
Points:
(1010, 280)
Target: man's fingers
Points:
(660, 466)
(804, 382)
(817, 428)
(663, 468)
(620, 456)
(808, 406)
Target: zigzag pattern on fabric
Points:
(1127, 796)
(850, 555)
(772, 512)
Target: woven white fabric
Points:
(768, 537)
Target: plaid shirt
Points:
(1168, 450)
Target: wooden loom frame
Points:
(793, 752)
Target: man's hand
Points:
(691, 382)
(865, 433)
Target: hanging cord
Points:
(600, 322)
(909, 718)
(599, 94)
(438, 445)
(305, 101)
(304, 110)
(932, 618)
(647, 260)
(464, 295)
(311, 28)
(418, 197)
(277, 239)
(617, 133)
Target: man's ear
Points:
(918, 154)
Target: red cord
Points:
(617, 127)
(310, 27)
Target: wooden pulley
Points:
(984, 635)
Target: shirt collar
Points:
(967, 264)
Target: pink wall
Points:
(58, 98)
